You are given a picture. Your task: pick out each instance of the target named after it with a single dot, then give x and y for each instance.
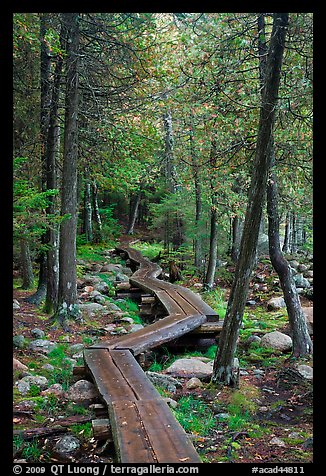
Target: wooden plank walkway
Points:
(143, 427)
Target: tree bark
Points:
(236, 238)
(88, 227)
(26, 265)
(134, 207)
(67, 293)
(213, 241)
(45, 72)
(97, 233)
(223, 370)
(302, 345)
(212, 257)
(286, 243)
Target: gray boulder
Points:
(83, 392)
(102, 287)
(166, 381)
(300, 281)
(276, 303)
(277, 340)
(305, 371)
(18, 341)
(23, 385)
(190, 367)
(42, 345)
(92, 308)
(37, 333)
(67, 445)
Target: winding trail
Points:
(144, 429)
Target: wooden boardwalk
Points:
(143, 428)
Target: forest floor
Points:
(268, 419)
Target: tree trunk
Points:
(45, 73)
(52, 153)
(97, 233)
(67, 294)
(286, 243)
(88, 227)
(134, 206)
(302, 345)
(223, 370)
(212, 257)
(236, 238)
(26, 265)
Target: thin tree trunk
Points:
(212, 257)
(97, 233)
(52, 153)
(26, 265)
(236, 238)
(67, 294)
(302, 345)
(198, 216)
(134, 207)
(286, 243)
(223, 370)
(88, 227)
(45, 72)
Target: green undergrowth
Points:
(194, 415)
(149, 250)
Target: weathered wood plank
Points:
(158, 333)
(167, 437)
(109, 380)
(130, 440)
(135, 376)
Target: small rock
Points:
(308, 443)
(120, 277)
(24, 385)
(18, 341)
(83, 392)
(76, 348)
(37, 333)
(194, 382)
(252, 339)
(300, 281)
(306, 371)
(40, 345)
(251, 302)
(55, 389)
(222, 416)
(166, 381)
(258, 372)
(17, 365)
(48, 367)
(100, 299)
(198, 285)
(172, 403)
(277, 441)
(190, 367)
(135, 327)
(16, 305)
(68, 444)
(276, 303)
(302, 268)
(102, 287)
(277, 340)
(263, 409)
(127, 319)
